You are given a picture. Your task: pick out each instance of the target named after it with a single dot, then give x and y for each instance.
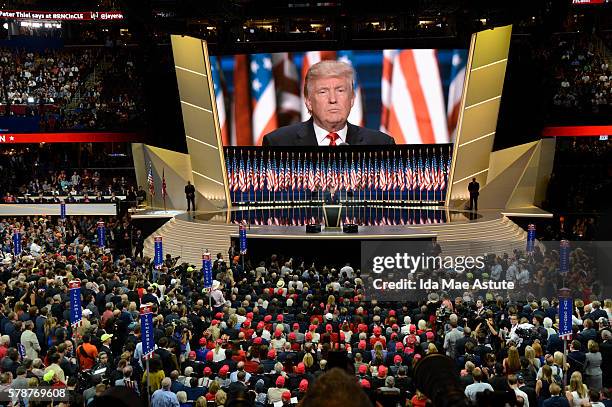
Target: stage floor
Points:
(364, 232)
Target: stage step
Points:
(188, 239)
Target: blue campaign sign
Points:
(243, 238)
(63, 210)
(17, 243)
(207, 270)
(75, 302)
(101, 234)
(158, 259)
(146, 330)
(564, 252)
(531, 235)
(566, 307)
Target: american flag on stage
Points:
(382, 174)
(271, 174)
(255, 174)
(371, 173)
(150, 179)
(235, 175)
(401, 180)
(428, 174)
(442, 173)
(311, 176)
(422, 180)
(455, 91)
(354, 177)
(333, 175)
(435, 173)
(262, 174)
(417, 114)
(217, 77)
(263, 94)
(242, 177)
(164, 192)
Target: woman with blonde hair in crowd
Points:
(592, 367)
(512, 363)
(608, 307)
(543, 384)
(577, 392)
(530, 354)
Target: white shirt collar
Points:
(321, 135)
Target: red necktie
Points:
(332, 138)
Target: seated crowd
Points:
(56, 86)
(582, 78)
(52, 181)
(274, 328)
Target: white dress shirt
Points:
(321, 134)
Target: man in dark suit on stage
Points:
(474, 189)
(329, 97)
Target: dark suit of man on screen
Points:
(329, 97)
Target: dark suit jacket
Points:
(303, 134)
(557, 401)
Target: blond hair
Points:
(327, 69)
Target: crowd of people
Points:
(53, 176)
(582, 77)
(280, 332)
(581, 174)
(75, 89)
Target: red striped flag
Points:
(287, 87)
(164, 192)
(417, 113)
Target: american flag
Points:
(401, 180)
(217, 77)
(435, 173)
(455, 90)
(255, 174)
(371, 173)
(287, 86)
(164, 192)
(333, 175)
(428, 174)
(312, 185)
(262, 175)
(385, 88)
(354, 177)
(382, 175)
(150, 179)
(263, 95)
(442, 174)
(421, 174)
(416, 114)
(235, 175)
(242, 177)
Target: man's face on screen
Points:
(330, 101)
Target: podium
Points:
(332, 214)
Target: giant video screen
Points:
(393, 96)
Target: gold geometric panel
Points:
(492, 46)
(500, 160)
(200, 118)
(487, 74)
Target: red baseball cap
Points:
(399, 347)
(278, 334)
(382, 371)
(328, 327)
(207, 370)
(377, 330)
(308, 336)
(301, 368)
(192, 354)
(249, 315)
(224, 369)
(363, 369)
(430, 335)
(365, 384)
(296, 326)
(392, 313)
(271, 354)
(260, 325)
(397, 359)
(268, 318)
(280, 381)
(361, 345)
(292, 336)
(286, 395)
(257, 341)
(202, 341)
(219, 315)
(279, 317)
(209, 356)
(304, 386)
(246, 323)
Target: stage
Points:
(457, 231)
